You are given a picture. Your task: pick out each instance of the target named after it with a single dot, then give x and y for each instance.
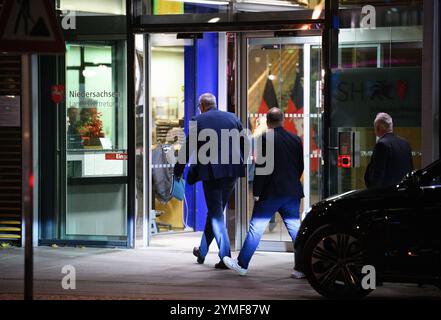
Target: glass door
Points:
(285, 72)
(181, 68)
(95, 152)
(170, 69)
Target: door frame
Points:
(315, 37)
(308, 38)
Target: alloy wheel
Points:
(337, 261)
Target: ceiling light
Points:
(214, 20)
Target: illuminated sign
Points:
(116, 156)
(344, 161)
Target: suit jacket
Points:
(288, 167)
(390, 162)
(216, 120)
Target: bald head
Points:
(207, 101)
(274, 118)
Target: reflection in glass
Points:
(314, 8)
(379, 70)
(277, 70)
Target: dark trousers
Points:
(217, 192)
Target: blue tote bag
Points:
(178, 188)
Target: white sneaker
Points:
(298, 275)
(234, 265)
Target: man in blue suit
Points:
(217, 170)
(279, 191)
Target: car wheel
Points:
(333, 261)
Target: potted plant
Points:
(91, 128)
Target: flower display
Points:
(91, 126)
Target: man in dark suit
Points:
(392, 157)
(279, 191)
(218, 173)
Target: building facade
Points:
(131, 77)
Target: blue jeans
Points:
(217, 192)
(264, 210)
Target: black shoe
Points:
(197, 254)
(220, 265)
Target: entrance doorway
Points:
(181, 67)
(249, 73)
(285, 72)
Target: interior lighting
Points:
(212, 2)
(271, 3)
(214, 20)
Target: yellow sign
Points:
(161, 7)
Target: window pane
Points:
(161, 7)
(96, 134)
(98, 55)
(111, 7)
(379, 70)
(73, 56)
(316, 6)
(311, 8)
(359, 57)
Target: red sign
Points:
(344, 161)
(30, 27)
(117, 156)
(57, 93)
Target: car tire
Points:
(333, 260)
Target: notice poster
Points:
(10, 111)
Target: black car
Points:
(396, 230)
